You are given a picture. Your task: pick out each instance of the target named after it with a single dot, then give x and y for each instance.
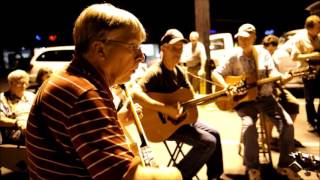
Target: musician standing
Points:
(194, 56)
(167, 77)
(306, 50)
(73, 130)
(256, 63)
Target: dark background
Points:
(21, 21)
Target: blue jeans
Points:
(206, 149)
(311, 91)
(248, 112)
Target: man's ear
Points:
(98, 48)
(163, 46)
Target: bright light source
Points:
(269, 31)
(213, 31)
(52, 37)
(38, 37)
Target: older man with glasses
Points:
(74, 128)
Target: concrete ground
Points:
(228, 123)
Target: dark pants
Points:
(206, 149)
(248, 112)
(311, 91)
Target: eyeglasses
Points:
(21, 83)
(133, 47)
(273, 43)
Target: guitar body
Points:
(158, 126)
(227, 103)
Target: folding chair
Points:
(174, 154)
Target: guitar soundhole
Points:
(162, 118)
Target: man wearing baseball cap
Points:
(168, 78)
(255, 63)
(172, 36)
(245, 30)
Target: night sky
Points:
(21, 21)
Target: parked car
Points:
(220, 44)
(58, 57)
(54, 58)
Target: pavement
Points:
(229, 125)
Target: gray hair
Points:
(97, 19)
(17, 74)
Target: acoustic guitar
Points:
(228, 103)
(159, 126)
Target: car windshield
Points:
(62, 55)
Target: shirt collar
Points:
(83, 68)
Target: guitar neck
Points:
(136, 118)
(203, 99)
(264, 81)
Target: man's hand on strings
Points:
(174, 111)
(286, 77)
(238, 89)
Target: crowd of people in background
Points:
(71, 126)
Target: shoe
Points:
(298, 144)
(315, 130)
(289, 173)
(254, 174)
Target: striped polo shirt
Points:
(72, 130)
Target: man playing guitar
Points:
(255, 64)
(166, 77)
(306, 50)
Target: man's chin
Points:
(123, 80)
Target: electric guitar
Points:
(230, 102)
(159, 126)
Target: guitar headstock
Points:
(305, 161)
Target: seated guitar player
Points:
(167, 77)
(255, 64)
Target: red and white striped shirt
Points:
(72, 130)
